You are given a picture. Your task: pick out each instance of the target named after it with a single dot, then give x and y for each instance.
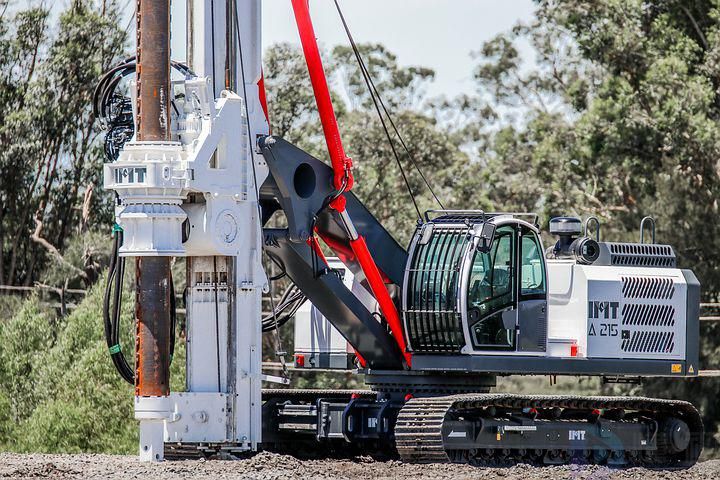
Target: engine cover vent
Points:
(636, 255)
(648, 315)
(649, 341)
(634, 312)
(654, 288)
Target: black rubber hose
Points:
(127, 372)
(112, 311)
(173, 318)
(291, 300)
(108, 293)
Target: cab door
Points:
(506, 295)
(492, 293)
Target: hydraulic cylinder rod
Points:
(152, 310)
(342, 168)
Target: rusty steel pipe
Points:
(153, 70)
(152, 297)
(152, 323)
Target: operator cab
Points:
(476, 283)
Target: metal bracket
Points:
(274, 379)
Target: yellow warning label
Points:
(691, 369)
(498, 437)
(676, 368)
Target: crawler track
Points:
(419, 433)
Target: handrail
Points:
(642, 228)
(587, 225)
(481, 213)
(451, 212)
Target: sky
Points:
(439, 34)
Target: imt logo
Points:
(576, 435)
(601, 309)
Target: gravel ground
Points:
(273, 466)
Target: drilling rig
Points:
(475, 295)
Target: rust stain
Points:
(152, 361)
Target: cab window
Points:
(532, 275)
(490, 291)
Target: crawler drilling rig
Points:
(475, 295)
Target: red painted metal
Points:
(387, 307)
(340, 247)
(341, 163)
(299, 360)
(342, 169)
(263, 97)
(344, 252)
(360, 358)
(315, 245)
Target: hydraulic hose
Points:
(112, 310)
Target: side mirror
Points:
(486, 235)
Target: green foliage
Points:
(89, 253)
(5, 421)
(25, 339)
(290, 96)
(50, 163)
(9, 304)
(401, 87)
(60, 391)
(65, 393)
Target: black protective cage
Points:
(433, 319)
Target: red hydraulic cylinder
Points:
(387, 307)
(315, 245)
(341, 163)
(342, 168)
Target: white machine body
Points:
(196, 197)
(616, 312)
(318, 344)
